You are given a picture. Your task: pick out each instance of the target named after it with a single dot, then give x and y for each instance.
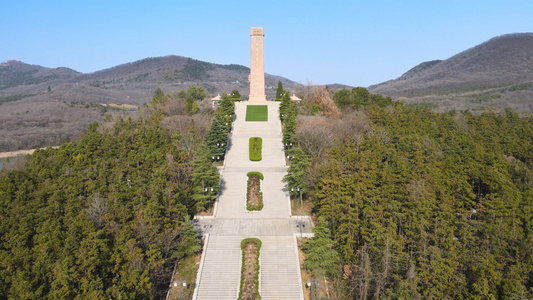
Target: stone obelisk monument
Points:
(257, 66)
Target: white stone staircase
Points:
(280, 276)
(219, 272)
(221, 268)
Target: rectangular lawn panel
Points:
(257, 113)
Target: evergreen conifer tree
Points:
(279, 91)
(321, 257)
(235, 95)
(295, 175)
(205, 179)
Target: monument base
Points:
(257, 98)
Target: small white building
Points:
(216, 101)
(295, 99)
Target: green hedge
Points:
(253, 240)
(259, 174)
(260, 205)
(243, 244)
(255, 148)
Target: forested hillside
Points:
(408, 203)
(107, 217)
(417, 204)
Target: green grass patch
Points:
(423, 105)
(255, 147)
(248, 266)
(186, 270)
(257, 113)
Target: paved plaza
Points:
(219, 272)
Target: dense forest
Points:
(415, 204)
(408, 203)
(107, 217)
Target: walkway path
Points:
(219, 273)
(21, 152)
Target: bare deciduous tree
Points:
(363, 275)
(96, 210)
(305, 91)
(381, 133)
(314, 135)
(326, 106)
(354, 126)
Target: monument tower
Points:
(257, 65)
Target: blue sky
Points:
(357, 43)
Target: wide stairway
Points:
(280, 278)
(219, 273)
(221, 268)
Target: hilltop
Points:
(130, 83)
(43, 106)
(493, 75)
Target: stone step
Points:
(280, 276)
(219, 276)
(251, 169)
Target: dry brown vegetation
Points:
(483, 100)
(28, 124)
(41, 106)
(324, 104)
(316, 134)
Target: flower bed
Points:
(251, 248)
(254, 196)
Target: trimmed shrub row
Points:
(258, 174)
(255, 148)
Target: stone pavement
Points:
(219, 272)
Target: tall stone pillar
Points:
(257, 66)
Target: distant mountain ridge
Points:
(130, 83)
(419, 68)
(496, 73)
(42, 106)
(14, 73)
